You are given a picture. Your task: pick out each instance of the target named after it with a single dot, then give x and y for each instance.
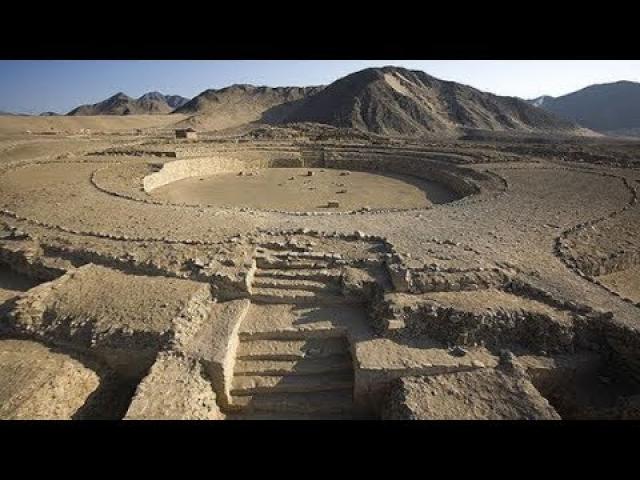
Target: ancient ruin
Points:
(388, 246)
(144, 278)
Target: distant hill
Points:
(175, 101)
(240, 104)
(397, 101)
(541, 101)
(49, 114)
(607, 108)
(121, 104)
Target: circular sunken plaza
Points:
(144, 278)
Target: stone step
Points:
(324, 382)
(339, 401)
(271, 262)
(300, 274)
(280, 247)
(291, 350)
(294, 284)
(289, 321)
(305, 297)
(304, 366)
(259, 416)
(294, 256)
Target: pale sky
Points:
(35, 86)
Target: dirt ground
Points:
(625, 282)
(292, 189)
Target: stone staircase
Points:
(313, 384)
(299, 277)
(293, 359)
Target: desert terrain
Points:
(317, 269)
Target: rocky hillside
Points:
(607, 108)
(241, 104)
(120, 104)
(541, 101)
(175, 101)
(396, 101)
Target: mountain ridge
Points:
(604, 107)
(397, 101)
(150, 103)
(240, 104)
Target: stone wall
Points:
(458, 179)
(196, 167)
(537, 331)
(181, 169)
(421, 167)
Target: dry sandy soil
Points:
(625, 282)
(456, 279)
(108, 123)
(294, 189)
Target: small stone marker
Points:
(333, 204)
(310, 173)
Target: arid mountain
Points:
(396, 101)
(175, 101)
(118, 104)
(541, 101)
(607, 108)
(121, 104)
(240, 104)
(49, 114)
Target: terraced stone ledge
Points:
(123, 320)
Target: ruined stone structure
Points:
(497, 304)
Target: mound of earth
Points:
(397, 101)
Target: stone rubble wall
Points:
(425, 168)
(28, 259)
(424, 282)
(493, 329)
(624, 344)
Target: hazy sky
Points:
(37, 86)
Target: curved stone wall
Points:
(460, 180)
